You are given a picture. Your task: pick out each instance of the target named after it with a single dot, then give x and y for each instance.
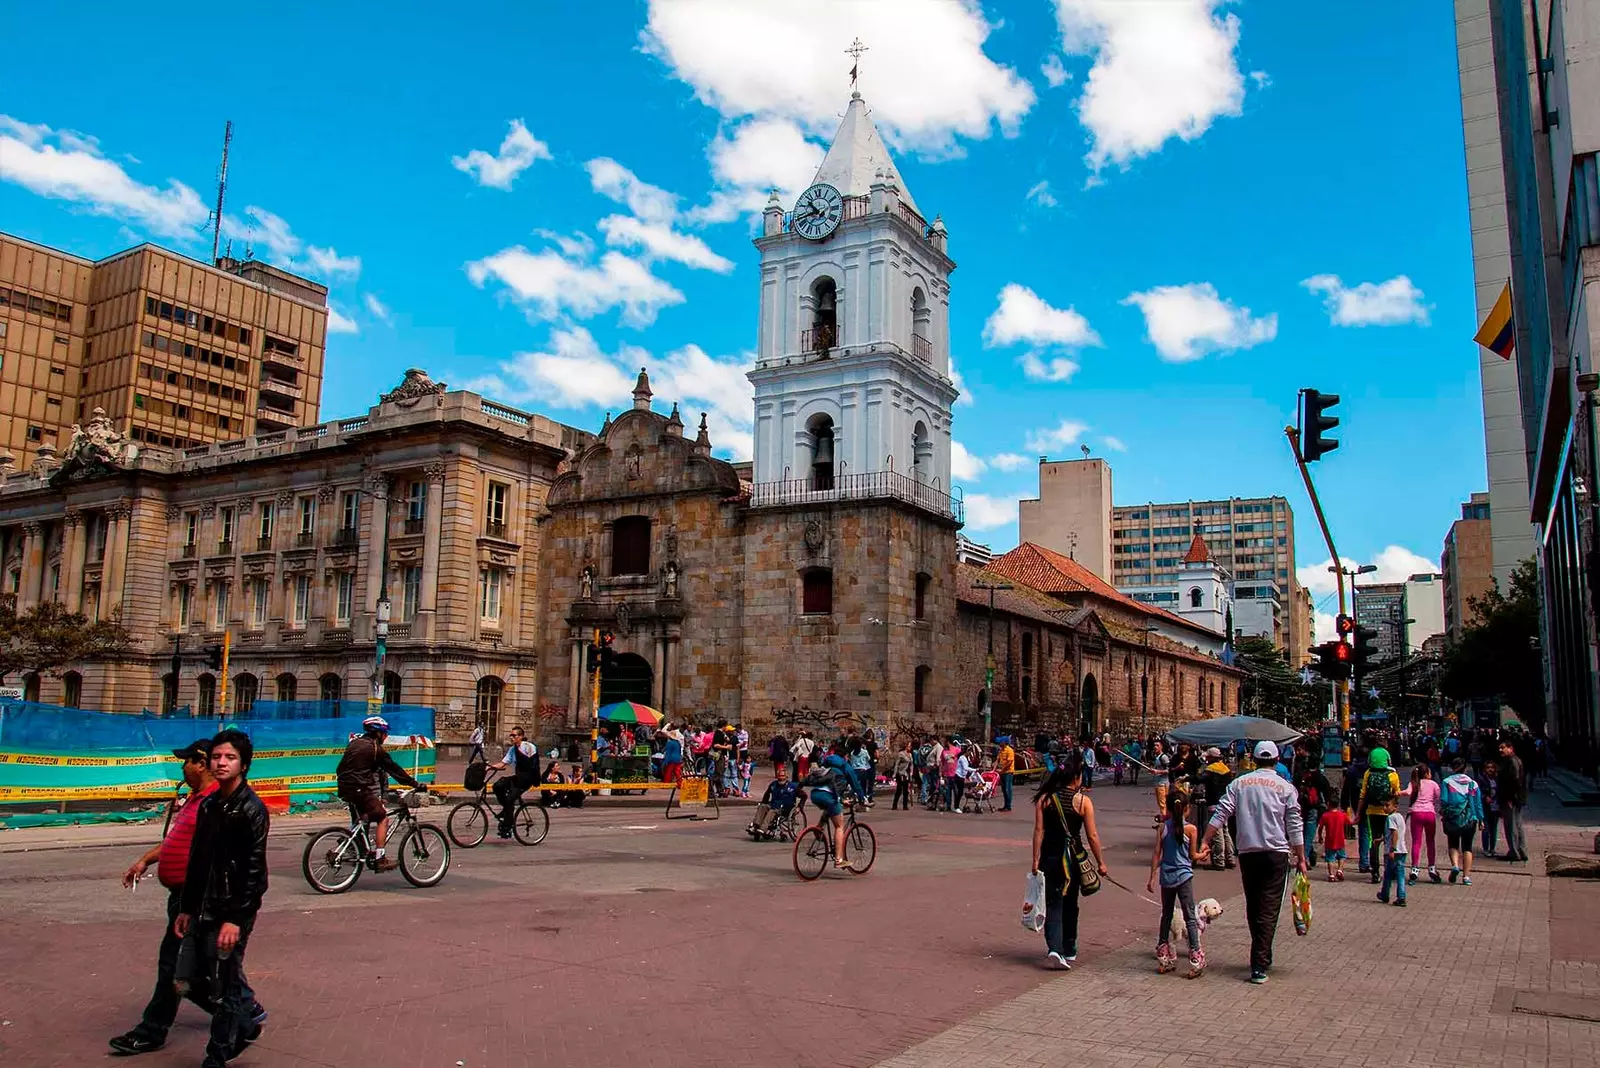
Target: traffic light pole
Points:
(1341, 692)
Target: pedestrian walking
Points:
(1379, 784)
(949, 755)
(1424, 819)
(1088, 765)
(1394, 848)
(1214, 780)
(1172, 863)
(932, 757)
(1266, 812)
(778, 750)
(1460, 810)
(1332, 828)
(1005, 762)
(1313, 791)
(1513, 799)
(1063, 819)
(222, 892)
(1489, 787)
(902, 778)
(803, 749)
(1350, 799)
(477, 744)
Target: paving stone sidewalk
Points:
(1462, 976)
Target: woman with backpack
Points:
(1380, 784)
(1460, 810)
(1424, 819)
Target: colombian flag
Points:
(1498, 333)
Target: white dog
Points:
(1206, 910)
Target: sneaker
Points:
(1072, 957)
(1412, 878)
(957, 810)
(1455, 873)
(1197, 964)
(1166, 960)
(385, 864)
(1433, 875)
(1258, 976)
(134, 1043)
(1058, 961)
(1339, 875)
(1363, 869)
(1399, 902)
(1383, 898)
(1466, 880)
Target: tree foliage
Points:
(47, 638)
(1497, 655)
(1273, 689)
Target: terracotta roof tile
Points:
(1198, 552)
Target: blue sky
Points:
(536, 199)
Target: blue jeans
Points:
(930, 786)
(1310, 817)
(1394, 871)
(1006, 781)
(1365, 839)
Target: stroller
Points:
(981, 789)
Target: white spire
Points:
(857, 154)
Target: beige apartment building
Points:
(281, 538)
(1466, 563)
(1072, 514)
(176, 351)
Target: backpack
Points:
(477, 771)
(1455, 804)
(1379, 788)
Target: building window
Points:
(416, 501)
(219, 606)
(349, 510)
(391, 688)
(169, 693)
(1195, 597)
(72, 689)
(919, 608)
(259, 592)
(1027, 650)
(287, 687)
(489, 692)
(191, 528)
(1027, 690)
(264, 529)
(630, 546)
(245, 691)
(344, 589)
(411, 593)
(308, 516)
(302, 601)
(185, 602)
(495, 511)
(1200, 694)
(816, 592)
(330, 688)
(920, 689)
(489, 579)
(824, 332)
(207, 703)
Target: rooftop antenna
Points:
(222, 187)
(1085, 449)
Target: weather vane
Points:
(854, 52)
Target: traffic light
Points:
(1366, 648)
(606, 653)
(591, 657)
(1333, 659)
(1314, 424)
(1344, 625)
(214, 657)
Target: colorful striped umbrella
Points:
(630, 712)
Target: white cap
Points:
(1266, 751)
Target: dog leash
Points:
(1126, 890)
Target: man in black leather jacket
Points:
(222, 893)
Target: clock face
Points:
(818, 212)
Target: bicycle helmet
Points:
(375, 725)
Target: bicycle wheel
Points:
(811, 854)
(332, 861)
(860, 842)
(532, 824)
(424, 855)
(468, 824)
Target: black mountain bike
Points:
(470, 821)
(334, 859)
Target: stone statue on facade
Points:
(586, 583)
(415, 386)
(669, 580)
(95, 448)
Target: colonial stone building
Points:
(281, 538)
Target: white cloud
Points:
(984, 512)
(1395, 563)
(1370, 303)
(964, 465)
(575, 372)
(376, 307)
(1009, 461)
(662, 242)
(340, 323)
(328, 263)
(1040, 194)
(1055, 72)
(1324, 627)
(760, 156)
(1262, 79)
(551, 285)
(262, 229)
(964, 395)
(577, 245)
(1067, 432)
(1114, 444)
(1055, 369)
(73, 169)
(1022, 316)
(926, 74)
(517, 153)
(1161, 70)
(1187, 322)
(649, 202)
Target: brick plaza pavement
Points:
(632, 942)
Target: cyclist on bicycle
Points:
(361, 774)
(522, 757)
(831, 783)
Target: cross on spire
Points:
(854, 52)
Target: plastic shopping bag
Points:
(1300, 898)
(1033, 902)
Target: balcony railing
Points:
(189, 551)
(306, 539)
(877, 485)
(818, 339)
(264, 543)
(493, 529)
(921, 348)
(225, 547)
(413, 526)
(346, 536)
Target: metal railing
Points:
(493, 529)
(189, 550)
(413, 526)
(346, 536)
(305, 539)
(921, 347)
(876, 485)
(264, 543)
(225, 547)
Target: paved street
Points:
(629, 940)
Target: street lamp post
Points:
(1400, 637)
(1144, 687)
(381, 627)
(988, 674)
(1355, 613)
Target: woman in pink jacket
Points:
(1424, 818)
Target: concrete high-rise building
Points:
(1424, 606)
(177, 352)
(1466, 564)
(1072, 514)
(1511, 532)
(1382, 606)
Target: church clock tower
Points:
(852, 375)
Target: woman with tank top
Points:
(1062, 817)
